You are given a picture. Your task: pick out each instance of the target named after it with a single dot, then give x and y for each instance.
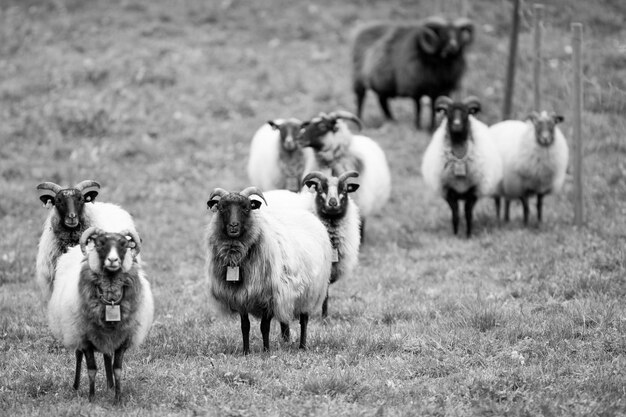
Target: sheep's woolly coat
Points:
(76, 313)
(482, 162)
(344, 232)
(343, 152)
(284, 262)
(270, 167)
(55, 241)
(528, 166)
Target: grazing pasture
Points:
(158, 100)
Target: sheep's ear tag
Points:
(460, 169)
(112, 313)
(232, 273)
(335, 257)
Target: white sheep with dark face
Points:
(535, 155)
(461, 161)
(72, 211)
(271, 263)
(276, 160)
(101, 302)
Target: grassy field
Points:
(158, 101)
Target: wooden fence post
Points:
(577, 35)
(537, 25)
(510, 71)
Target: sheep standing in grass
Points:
(534, 155)
(461, 161)
(340, 215)
(265, 262)
(337, 150)
(69, 217)
(101, 302)
(276, 160)
(426, 58)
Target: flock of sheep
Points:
(273, 254)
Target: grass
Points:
(158, 101)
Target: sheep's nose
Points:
(332, 202)
(72, 215)
(112, 259)
(234, 224)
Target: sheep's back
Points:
(144, 314)
(374, 178)
(47, 253)
(263, 169)
(348, 235)
(64, 316)
(487, 159)
(109, 217)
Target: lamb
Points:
(340, 215)
(426, 58)
(337, 151)
(461, 161)
(101, 302)
(69, 217)
(265, 262)
(534, 155)
(276, 161)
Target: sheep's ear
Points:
(255, 204)
(212, 204)
(90, 196)
(473, 104)
(47, 200)
(533, 117)
(557, 118)
(312, 184)
(352, 187)
(273, 124)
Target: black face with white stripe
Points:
(312, 132)
(112, 250)
(331, 197)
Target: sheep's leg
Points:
(108, 370)
(453, 202)
(304, 320)
(92, 369)
(525, 208)
(266, 320)
(539, 206)
(325, 306)
(507, 207)
(117, 372)
(79, 363)
(360, 91)
(498, 203)
(384, 105)
(284, 331)
(245, 332)
(418, 113)
(470, 201)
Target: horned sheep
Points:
(72, 211)
(425, 58)
(276, 160)
(461, 161)
(265, 262)
(101, 302)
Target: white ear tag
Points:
(460, 169)
(112, 313)
(335, 257)
(232, 273)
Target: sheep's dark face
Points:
(457, 114)
(70, 203)
(234, 212)
(446, 40)
(331, 194)
(112, 251)
(313, 132)
(289, 130)
(544, 126)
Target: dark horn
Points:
(472, 103)
(247, 192)
(55, 188)
(348, 174)
(314, 175)
(342, 114)
(135, 238)
(85, 237)
(443, 103)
